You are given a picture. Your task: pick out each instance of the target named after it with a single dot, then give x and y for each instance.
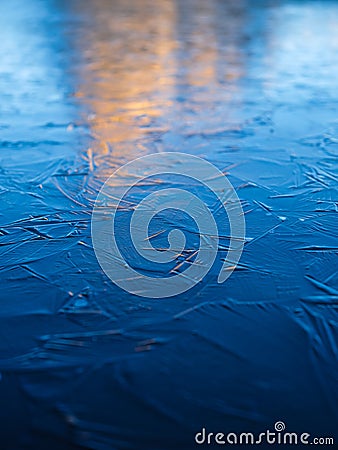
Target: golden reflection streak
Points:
(139, 56)
(128, 75)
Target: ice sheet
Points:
(87, 86)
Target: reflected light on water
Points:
(127, 76)
(152, 73)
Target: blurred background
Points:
(86, 86)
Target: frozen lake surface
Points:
(86, 87)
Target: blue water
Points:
(86, 87)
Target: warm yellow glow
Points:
(141, 59)
(127, 79)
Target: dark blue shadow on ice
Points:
(87, 86)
